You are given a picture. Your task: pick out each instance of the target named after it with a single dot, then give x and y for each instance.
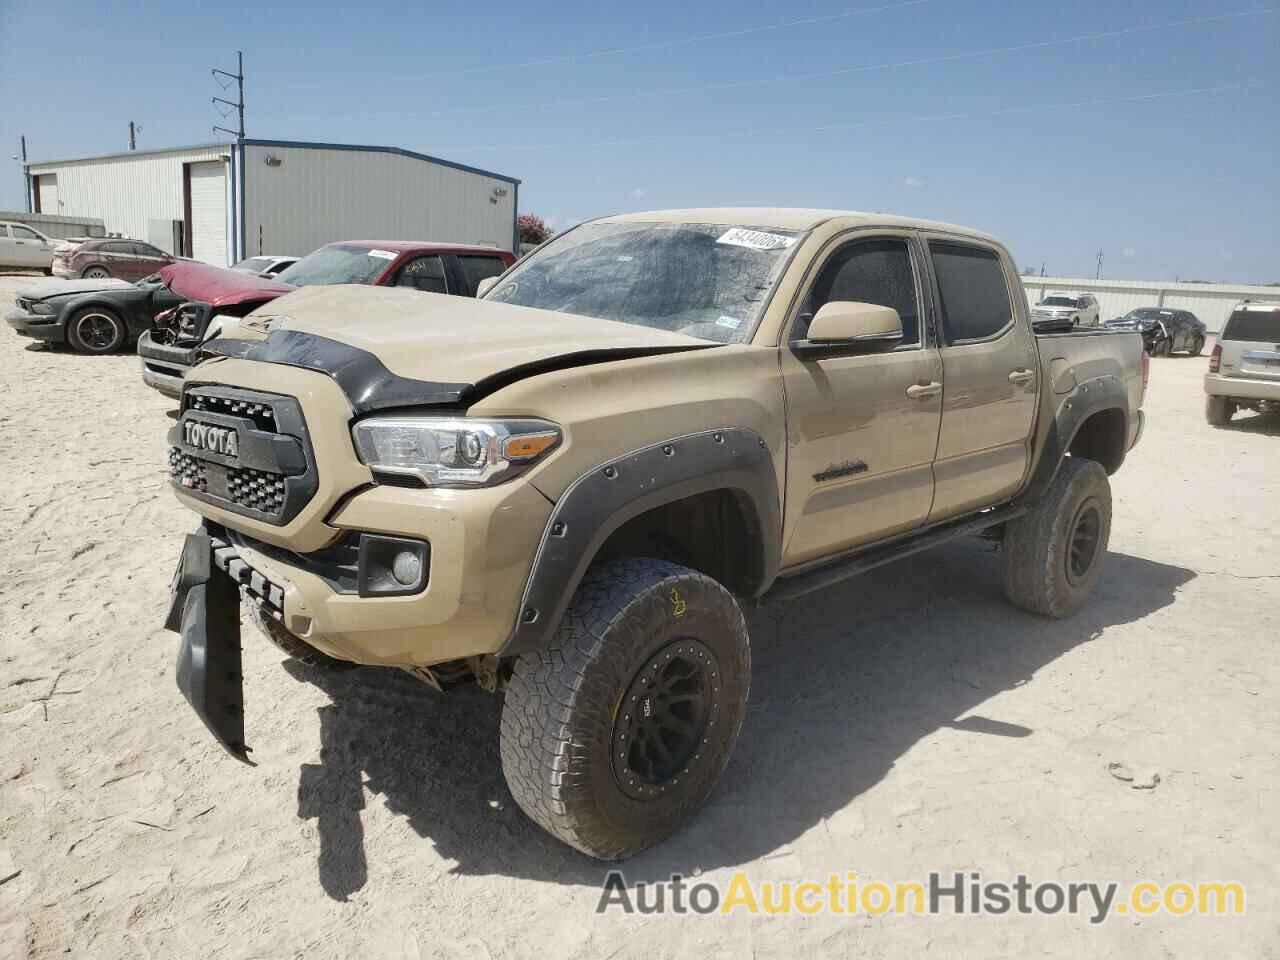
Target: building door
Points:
(209, 212)
(47, 194)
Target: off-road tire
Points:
(291, 646)
(562, 704)
(1218, 411)
(1040, 574)
(81, 338)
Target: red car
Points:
(170, 350)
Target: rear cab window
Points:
(972, 289)
(477, 267)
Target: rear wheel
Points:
(1054, 553)
(1218, 411)
(618, 731)
(95, 330)
(96, 273)
(1197, 346)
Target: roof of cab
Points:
(788, 218)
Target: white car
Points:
(1244, 368)
(265, 266)
(24, 248)
(1080, 309)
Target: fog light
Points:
(406, 567)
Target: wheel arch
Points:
(1092, 421)
(708, 500)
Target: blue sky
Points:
(937, 108)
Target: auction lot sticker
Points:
(755, 239)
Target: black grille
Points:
(256, 489)
(244, 451)
(260, 413)
(186, 471)
(338, 564)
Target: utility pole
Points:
(238, 103)
(26, 176)
(133, 139)
(1098, 275)
(1042, 268)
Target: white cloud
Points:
(912, 183)
(1129, 252)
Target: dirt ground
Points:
(906, 722)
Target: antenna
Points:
(1098, 275)
(134, 130)
(238, 104)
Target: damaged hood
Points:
(220, 286)
(393, 348)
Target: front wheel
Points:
(1053, 553)
(618, 731)
(1197, 347)
(95, 330)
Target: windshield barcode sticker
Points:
(733, 323)
(382, 254)
(755, 239)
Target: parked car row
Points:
(1164, 331)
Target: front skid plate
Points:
(209, 665)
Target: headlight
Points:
(42, 308)
(452, 452)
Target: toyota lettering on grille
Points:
(205, 436)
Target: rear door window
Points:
(424, 273)
(1253, 325)
(973, 292)
(478, 267)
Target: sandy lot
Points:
(903, 723)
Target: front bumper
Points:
(1244, 388)
(37, 325)
(164, 367)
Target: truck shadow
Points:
(1267, 424)
(845, 681)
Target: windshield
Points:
(707, 280)
(254, 264)
(1058, 302)
(339, 263)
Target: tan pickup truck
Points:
(566, 490)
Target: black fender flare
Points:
(1074, 408)
(611, 493)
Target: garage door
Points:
(47, 193)
(209, 212)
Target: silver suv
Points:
(1077, 309)
(1244, 368)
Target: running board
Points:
(823, 574)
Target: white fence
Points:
(1211, 302)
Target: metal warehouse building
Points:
(222, 202)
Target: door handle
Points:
(1022, 376)
(922, 391)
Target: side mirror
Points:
(846, 327)
(485, 285)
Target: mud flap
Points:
(204, 609)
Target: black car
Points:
(1164, 330)
(93, 316)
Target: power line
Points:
(756, 132)
(861, 68)
(678, 42)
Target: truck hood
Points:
(220, 286)
(43, 289)
(393, 348)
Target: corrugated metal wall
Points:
(123, 191)
(57, 227)
(1212, 303)
(315, 196)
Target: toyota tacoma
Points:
(568, 490)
